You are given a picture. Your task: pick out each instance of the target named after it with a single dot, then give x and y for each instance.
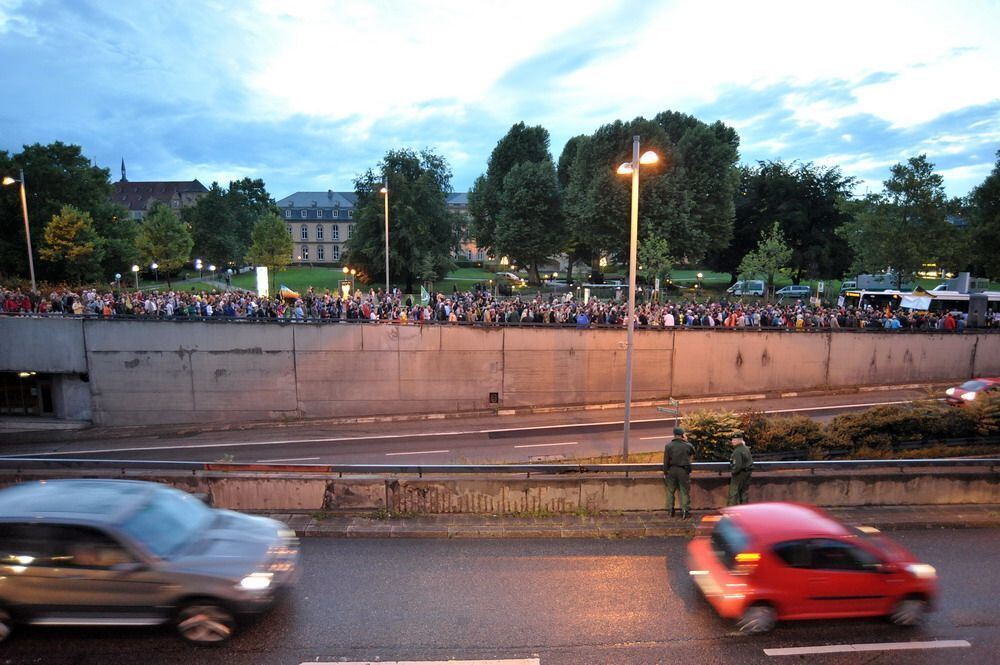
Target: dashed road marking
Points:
(855, 648)
(418, 452)
(650, 438)
(542, 445)
(288, 459)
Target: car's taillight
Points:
(746, 562)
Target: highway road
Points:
(515, 438)
(542, 602)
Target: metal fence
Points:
(124, 467)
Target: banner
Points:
(262, 289)
(425, 297)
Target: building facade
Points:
(138, 197)
(321, 223)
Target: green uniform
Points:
(741, 464)
(677, 473)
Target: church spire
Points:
(124, 179)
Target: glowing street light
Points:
(135, 271)
(385, 193)
(7, 180)
(632, 169)
(156, 271)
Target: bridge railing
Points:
(123, 467)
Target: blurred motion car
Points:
(971, 390)
(131, 553)
(763, 562)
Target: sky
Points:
(308, 95)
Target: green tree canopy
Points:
(809, 203)
(529, 227)
(770, 257)
(72, 244)
(686, 199)
(270, 245)
(520, 144)
(655, 257)
(164, 239)
(222, 221)
(422, 231)
(57, 174)
(904, 226)
(984, 209)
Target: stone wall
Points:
(151, 372)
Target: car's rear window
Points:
(728, 540)
(974, 385)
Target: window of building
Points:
(335, 254)
(305, 252)
(175, 204)
(334, 232)
(350, 231)
(336, 211)
(319, 253)
(304, 231)
(304, 214)
(319, 231)
(480, 255)
(350, 213)
(289, 231)
(288, 214)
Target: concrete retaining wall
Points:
(150, 372)
(496, 495)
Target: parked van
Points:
(849, 285)
(750, 287)
(793, 292)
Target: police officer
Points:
(677, 471)
(741, 465)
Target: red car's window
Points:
(836, 555)
(795, 553)
(728, 540)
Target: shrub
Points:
(710, 432)
(793, 433)
(985, 412)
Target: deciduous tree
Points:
(270, 245)
(771, 256)
(164, 239)
(984, 209)
(530, 226)
(72, 244)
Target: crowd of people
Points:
(470, 307)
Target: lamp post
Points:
(118, 281)
(632, 168)
(156, 271)
(700, 276)
(27, 230)
(135, 271)
(211, 269)
(385, 193)
(198, 264)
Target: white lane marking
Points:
(288, 459)
(542, 445)
(419, 452)
(515, 661)
(852, 648)
(375, 437)
(648, 438)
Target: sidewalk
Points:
(617, 525)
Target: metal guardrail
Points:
(123, 466)
(248, 320)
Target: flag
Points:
(286, 292)
(425, 297)
(921, 292)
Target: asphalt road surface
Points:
(544, 602)
(544, 437)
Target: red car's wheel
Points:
(757, 619)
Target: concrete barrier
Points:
(151, 372)
(592, 493)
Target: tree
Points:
(118, 232)
(686, 199)
(655, 257)
(270, 245)
(422, 231)
(903, 227)
(984, 210)
(70, 240)
(57, 174)
(808, 202)
(771, 255)
(530, 227)
(222, 221)
(164, 239)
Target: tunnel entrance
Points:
(25, 394)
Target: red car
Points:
(762, 562)
(970, 390)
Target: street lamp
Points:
(118, 281)
(156, 272)
(135, 271)
(385, 192)
(211, 269)
(699, 279)
(632, 168)
(198, 265)
(7, 180)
